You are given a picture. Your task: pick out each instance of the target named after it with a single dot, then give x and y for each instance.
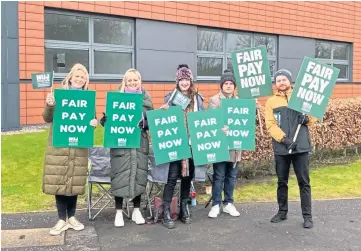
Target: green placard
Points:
(240, 116)
(124, 112)
(252, 72)
(209, 144)
(313, 88)
(42, 80)
(169, 135)
(73, 112)
(177, 98)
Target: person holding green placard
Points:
(281, 124)
(65, 169)
(224, 173)
(182, 168)
(129, 167)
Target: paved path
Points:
(337, 228)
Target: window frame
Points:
(91, 46)
(332, 61)
(225, 55)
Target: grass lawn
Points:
(22, 164)
(326, 182)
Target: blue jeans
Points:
(224, 175)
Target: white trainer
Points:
(75, 224)
(137, 217)
(119, 221)
(231, 210)
(59, 227)
(214, 212)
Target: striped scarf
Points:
(192, 107)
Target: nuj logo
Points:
(306, 107)
(122, 142)
(73, 141)
(211, 157)
(237, 144)
(43, 77)
(255, 91)
(172, 155)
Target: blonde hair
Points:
(74, 69)
(125, 78)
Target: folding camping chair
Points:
(98, 176)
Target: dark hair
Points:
(182, 65)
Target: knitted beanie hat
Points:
(183, 72)
(228, 76)
(284, 72)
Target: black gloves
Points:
(103, 120)
(289, 143)
(143, 123)
(303, 119)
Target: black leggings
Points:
(66, 205)
(119, 202)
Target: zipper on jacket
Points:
(288, 116)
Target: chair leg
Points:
(90, 200)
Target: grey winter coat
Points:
(159, 173)
(129, 167)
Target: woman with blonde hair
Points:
(129, 167)
(65, 169)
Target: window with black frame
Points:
(336, 54)
(104, 45)
(214, 49)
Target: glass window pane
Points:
(61, 60)
(272, 67)
(323, 50)
(108, 31)
(343, 70)
(209, 67)
(209, 41)
(229, 64)
(238, 41)
(340, 51)
(268, 41)
(66, 27)
(107, 62)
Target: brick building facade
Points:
(332, 30)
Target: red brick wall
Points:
(338, 21)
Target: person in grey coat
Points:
(185, 168)
(129, 167)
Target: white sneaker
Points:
(119, 222)
(75, 224)
(231, 210)
(59, 227)
(214, 212)
(137, 217)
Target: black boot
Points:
(185, 212)
(167, 219)
(279, 217)
(308, 222)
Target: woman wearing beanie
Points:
(129, 167)
(65, 169)
(224, 173)
(181, 168)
